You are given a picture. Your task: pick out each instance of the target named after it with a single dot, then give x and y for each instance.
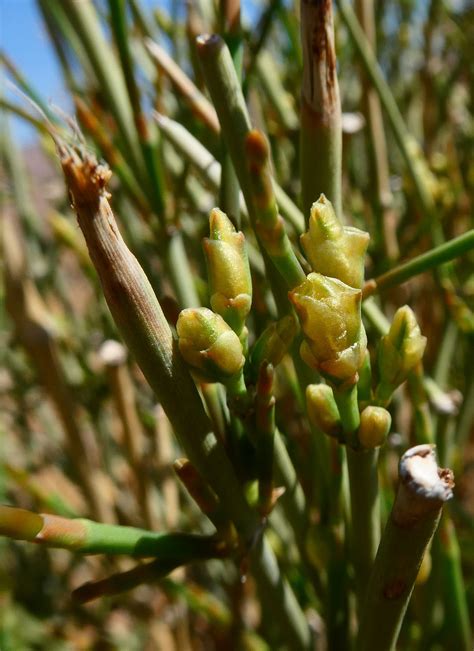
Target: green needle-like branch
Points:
(457, 627)
(85, 22)
(148, 143)
(226, 93)
(422, 492)
(321, 130)
(444, 253)
(365, 514)
(346, 400)
(89, 537)
(210, 170)
(122, 581)
(265, 421)
(198, 103)
(268, 224)
(142, 323)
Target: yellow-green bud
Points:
(333, 249)
(274, 341)
(398, 352)
(322, 409)
(335, 339)
(209, 345)
(228, 271)
(375, 423)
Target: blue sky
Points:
(25, 41)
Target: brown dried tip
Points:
(319, 87)
(209, 43)
(265, 379)
(423, 486)
(195, 485)
(85, 177)
(257, 148)
(419, 471)
(64, 532)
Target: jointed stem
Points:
(415, 515)
(144, 328)
(365, 514)
(424, 262)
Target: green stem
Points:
(148, 140)
(143, 326)
(89, 537)
(337, 580)
(457, 628)
(423, 423)
(265, 419)
(346, 400)
(269, 78)
(84, 20)
(267, 20)
(365, 514)
(210, 170)
(230, 29)
(409, 530)
(143, 21)
(268, 225)
(145, 573)
(424, 262)
(118, 22)
(321, 130)
(379, 177)
(363, 480)
(280, 600)
(293, 499)
(179, 271)
(226, 93)
(198, 102)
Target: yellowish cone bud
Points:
(335, 340)
(209, 345)
(332, 249)
(375, 423)
(398, 352)
(228, 269)
(322, 409)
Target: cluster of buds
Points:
(211, 341)
(328, 302)
(228, 269)
(398, 352)
(333, 249)
(335, 340)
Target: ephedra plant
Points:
(210, 315)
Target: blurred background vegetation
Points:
(81, 432)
